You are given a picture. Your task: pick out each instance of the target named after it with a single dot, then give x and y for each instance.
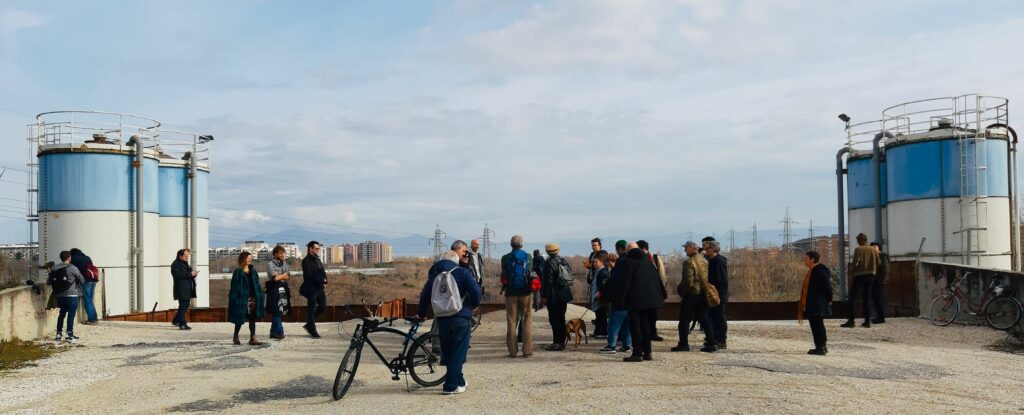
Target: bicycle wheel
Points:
(347, 370)
(475, 320)
(424, 361)
(944, 310)
(1002, 313)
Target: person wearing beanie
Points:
(556, 293)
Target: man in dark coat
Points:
(184, 286)
(556, 294)
(82, 261)
(816, 300)
(877, 284)
(718, 275)
(314, 280)
(643, 296)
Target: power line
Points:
(12, 168)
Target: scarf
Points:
(803, 297)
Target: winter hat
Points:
(621, 244)
(551, 248)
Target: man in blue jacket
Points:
(454, 330)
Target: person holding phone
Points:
(184, 286)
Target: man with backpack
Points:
(452, 294)
(66, 282)
(92, 275)
(556, 293)
(516, 283)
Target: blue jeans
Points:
(619, 320)
(454, 333)
(276, 327)
(87, 292)
(68, 308)
(179, 318)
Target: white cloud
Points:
(12, 20)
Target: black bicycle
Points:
(420, 357)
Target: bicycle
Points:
(997, 307)
(420, 357)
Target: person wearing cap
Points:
(518, 299)
(718, 275)
(556, 293)
(693, 304)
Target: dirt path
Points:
(905, 366)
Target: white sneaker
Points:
(457, 391)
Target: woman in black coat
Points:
(644, 294)
(816, 300)
(184, 286)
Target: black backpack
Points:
(59, 280)
(564, 278)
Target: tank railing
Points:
(969, 112)
(177, 143)
(76, 127)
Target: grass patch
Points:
(15, 354)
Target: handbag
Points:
(711, 294)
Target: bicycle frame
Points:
(396, 366)
(973, 308)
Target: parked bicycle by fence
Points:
(420, 357)
(998, 307)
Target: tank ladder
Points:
(971, 139)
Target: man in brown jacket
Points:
(693, 305)
(863, 269)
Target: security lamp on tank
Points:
(205, 138)
(844, 117)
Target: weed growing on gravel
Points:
(17, 353)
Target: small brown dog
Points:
(579, 328)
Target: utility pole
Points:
(753, 238)
(787, 230)
(732, 239)
(810, 230)
(438, 242)
(485, 241)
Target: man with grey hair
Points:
(517, 284)
(460, 247)
(718, 275)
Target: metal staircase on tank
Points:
(968, 111)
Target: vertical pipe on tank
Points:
(842, 221)
(193, 175)
(1014, 201)
(139, 222)
(876, 162)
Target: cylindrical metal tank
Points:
(928, 185)
(175, 232)
(861, 184)
(86, 200)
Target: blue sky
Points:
(557, 120)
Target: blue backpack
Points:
(517, 270)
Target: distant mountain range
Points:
(419, 245)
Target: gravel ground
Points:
(905, 366)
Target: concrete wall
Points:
(23, 313)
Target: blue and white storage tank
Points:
(861, 185)
(948, 178)
(87, 188)
(176, 204)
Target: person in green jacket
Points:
(245, 300)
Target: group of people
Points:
(869, 269)
(74, 278)
(248, 301)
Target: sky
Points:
(557, 120)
